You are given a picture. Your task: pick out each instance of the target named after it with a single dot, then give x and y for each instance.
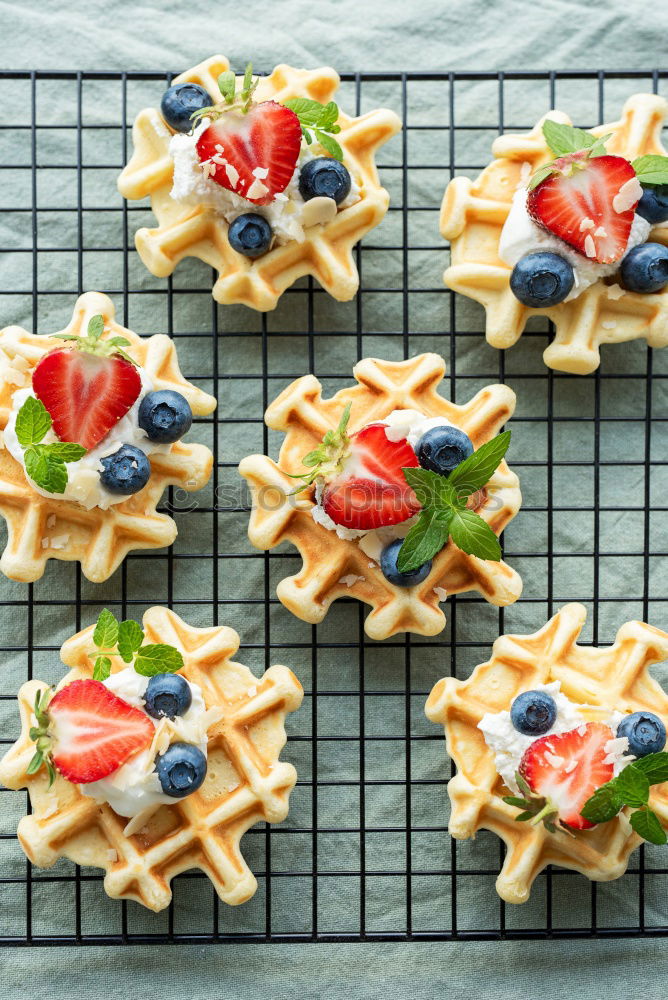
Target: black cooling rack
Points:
(364, 854)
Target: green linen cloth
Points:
(350, 35)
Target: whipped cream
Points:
(508, 744)
(288, 214)
(135, 786)
(400, 424)
(83, 477)
(521, 235)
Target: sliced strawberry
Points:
(568, 768)
(94, 732)
(588, 202)
(85, 394)
(371, 491)
(253, 154)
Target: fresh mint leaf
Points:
(32, 422)
(647, 825)
(473, 535)
(632, 786)
(105, 635)
(47, 472)
(651, 169)
(426, 537)
(158, 659)
(130, 638)
(654, 766)
(430, 489)
(603, 805)
(318, 121)
(477, 470)
(66, 451)
(329, 144)
(96, 327)
(308, 111)
(563, 139)
(102, 668)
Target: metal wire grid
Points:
(364, 854)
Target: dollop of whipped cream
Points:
(508, 745)
(288, 214)
(400, 424)
(521, 235)
(83, 477)
(135, 786)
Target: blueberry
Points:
(653, 205)
(126, 471)
(533, 712)
(388, 564)
(541, 279)
(645, 732)
(324, 177)
(442, 449)
(165, 415)
(250, 234)
(180, 102)
(181, 769)
(167, 695)
(645, 268)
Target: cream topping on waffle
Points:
(509, 745)
(287, 214)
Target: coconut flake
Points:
(609, 324)
(629, 193)
(351, 579)
(590, 247)
(554, 759)
(587, 224)
(261, 172)
(257, 190)
(232, 174)
(600, 232)
(615, 291)
(441, 593)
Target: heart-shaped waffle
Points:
(187, 231)
(41, 528)
(473, 214)
(615, 677)
(334, 567)
(246, 783)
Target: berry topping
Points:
(589, 202)
(566, 769)
(250, 234)
(541, 279)
(88, 732)
(165, 415)
(533, 713)
(181, 769)
(653, 205)
(167, 695)
(645, 268)
(645, 732)
(180, 102)
(442, 449)
(87, 387)
(324, 177)
(127, 471)
(253, 154)
(388, 564)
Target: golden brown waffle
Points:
(615, 677)
(334, 567)
(41, 528)
(246, 783)
(472, 217)
(184, 231)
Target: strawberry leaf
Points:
(227, 83)
(473, 535)
(647, 825)
(130, 638)
(158, 659)
(651, 169)
(105, 635)
(426, 537)
(32, 422)
(96, 327)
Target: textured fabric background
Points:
(351, 35)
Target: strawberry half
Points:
(85, 394)
(252, 154)
(589, 202)
(371, 490)
(93, 731)
(568, 768)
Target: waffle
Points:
(246, 783)
(333, 567)
(472, 217)
(615, 677)
(41, 528)
(184, 231)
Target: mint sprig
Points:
(444, 508)
(44, 463)
(631, 788)
(651, 170)
(318, 123)
(126, 639)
